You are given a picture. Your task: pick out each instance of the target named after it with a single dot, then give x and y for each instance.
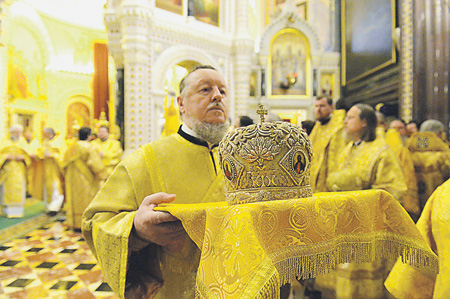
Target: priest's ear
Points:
(180, 101)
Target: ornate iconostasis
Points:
(277, 53)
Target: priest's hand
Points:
(159, 227)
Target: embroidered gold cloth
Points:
(250, 250)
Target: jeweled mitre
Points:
(266, 161)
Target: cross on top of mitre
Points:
(261, 112)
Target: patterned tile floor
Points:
(51, 261)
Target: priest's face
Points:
(103, 133)
(411, 128)
(322, 109)
(399, 126)
(204, 98)
(353, 124)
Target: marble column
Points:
(135, 22)
(243, 48)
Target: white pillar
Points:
(242, 49)
(135, 19)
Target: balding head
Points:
(432, 125)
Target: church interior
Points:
(90, 63)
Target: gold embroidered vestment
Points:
(407, 282)
(172, 165)
(328, 141)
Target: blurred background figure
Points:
(109, 149)
(84, 173)
(93, 136)
(34, 170)
(52, 176)
(381, 124)
(14, 160)
(410, 199)
(431, 156)
(328, 139)
(400, 126)
(412, 127)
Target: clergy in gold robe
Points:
(142, 251)
(328, 139)
(407, 282)
(14, 160)
(109, 149)
(52, 174)
(431, 156)
(84, 173)
(367, 163)
(410, 200)
(36, 168)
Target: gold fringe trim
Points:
(302, 262)
(295, 262)
(264, 284)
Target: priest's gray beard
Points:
(211, 133)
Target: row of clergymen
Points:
(72, 175)
(410, 168)
(354, 151)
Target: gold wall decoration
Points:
(18, 86)
(77, 113)
(289, 71)
(327, 83)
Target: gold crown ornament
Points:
(266, 161)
